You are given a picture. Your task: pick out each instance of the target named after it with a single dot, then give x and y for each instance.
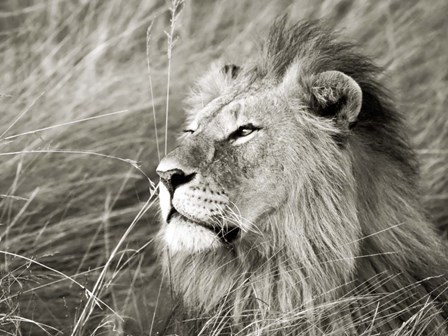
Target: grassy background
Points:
(69, 193)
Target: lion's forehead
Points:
(226, 112)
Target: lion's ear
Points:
(337, 96)
(231, 70)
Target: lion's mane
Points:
(385, 272)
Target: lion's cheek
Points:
(254, 203)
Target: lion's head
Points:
(288, 169)
(242, 155)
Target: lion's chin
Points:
(183, 236)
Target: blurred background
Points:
(83, 89)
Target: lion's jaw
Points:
(198, 217)
(181, 233)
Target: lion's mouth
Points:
(227, 234)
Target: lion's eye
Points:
(243, 131)
(190, 131)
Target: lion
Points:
(291, 205)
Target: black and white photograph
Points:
(223, 168)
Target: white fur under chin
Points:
(181, 236)
(165, 202)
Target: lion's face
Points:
(234, 165)
(226, 173)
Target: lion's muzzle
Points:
(188, 199)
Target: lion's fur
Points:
(350, 251)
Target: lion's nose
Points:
(173, 177)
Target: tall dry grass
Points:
(79, 115)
